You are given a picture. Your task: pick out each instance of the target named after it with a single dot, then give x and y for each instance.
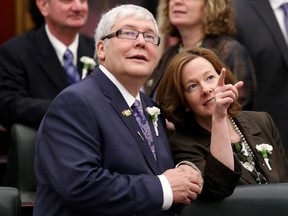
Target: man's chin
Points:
(77, 24)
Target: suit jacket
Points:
(193, 144)
(90, 159)
(31, 75)
(259, 32)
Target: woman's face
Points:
(199, 79)
(186, 13)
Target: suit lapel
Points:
(161, 142)
(84, 49)
(253, 136)
(266, 14)
(49, 62)
(119, 104)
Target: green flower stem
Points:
(264, 153)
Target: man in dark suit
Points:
(95, 155)
(31, 65)
(259, 31)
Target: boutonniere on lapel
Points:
(88, 64)
(126, 112)
(264, 150)
(153, 114)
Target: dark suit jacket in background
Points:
(90, 159)
(31, 75)
(219, 181)
(259, 32)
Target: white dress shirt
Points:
(60, 48)
(166, 188)
(279, 13)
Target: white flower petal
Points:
(264, 146)
(248, 166)
(153, 110)
(88, 61)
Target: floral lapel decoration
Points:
(88, 64)
(126, 112)
(153, 114)
(245, 158)
(265, 150)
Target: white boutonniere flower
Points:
(88, 64)
(153, 114)
(264, 150)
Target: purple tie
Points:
(71, 70)
(141, 119)
(285, 9)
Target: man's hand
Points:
(186, 183)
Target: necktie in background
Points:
(71, 70)
(285, 9)
(142, 121)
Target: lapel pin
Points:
(126, 112)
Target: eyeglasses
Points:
(133, 35)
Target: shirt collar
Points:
(125, 93)
(275, 4)
(60, 48)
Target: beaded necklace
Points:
(245, 154)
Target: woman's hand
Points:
(224, 95)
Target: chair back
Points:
(246, 200)
(20, 167)
(9, 202)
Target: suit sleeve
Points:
(71, 159)
(16, 103)
(219, 181)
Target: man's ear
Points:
(43, 6)
(101, 50)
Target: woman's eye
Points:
(192, 87)
(211, 77)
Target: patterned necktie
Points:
(285, 9)
(71, 70)
(142, 121)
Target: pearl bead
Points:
(250, 153)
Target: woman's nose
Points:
(207, 89)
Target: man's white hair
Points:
(109, 19)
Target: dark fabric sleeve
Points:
(220, 181)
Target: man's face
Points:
(129, 60)
(65, 13)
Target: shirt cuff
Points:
(167, 192)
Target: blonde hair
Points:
(218, 19)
